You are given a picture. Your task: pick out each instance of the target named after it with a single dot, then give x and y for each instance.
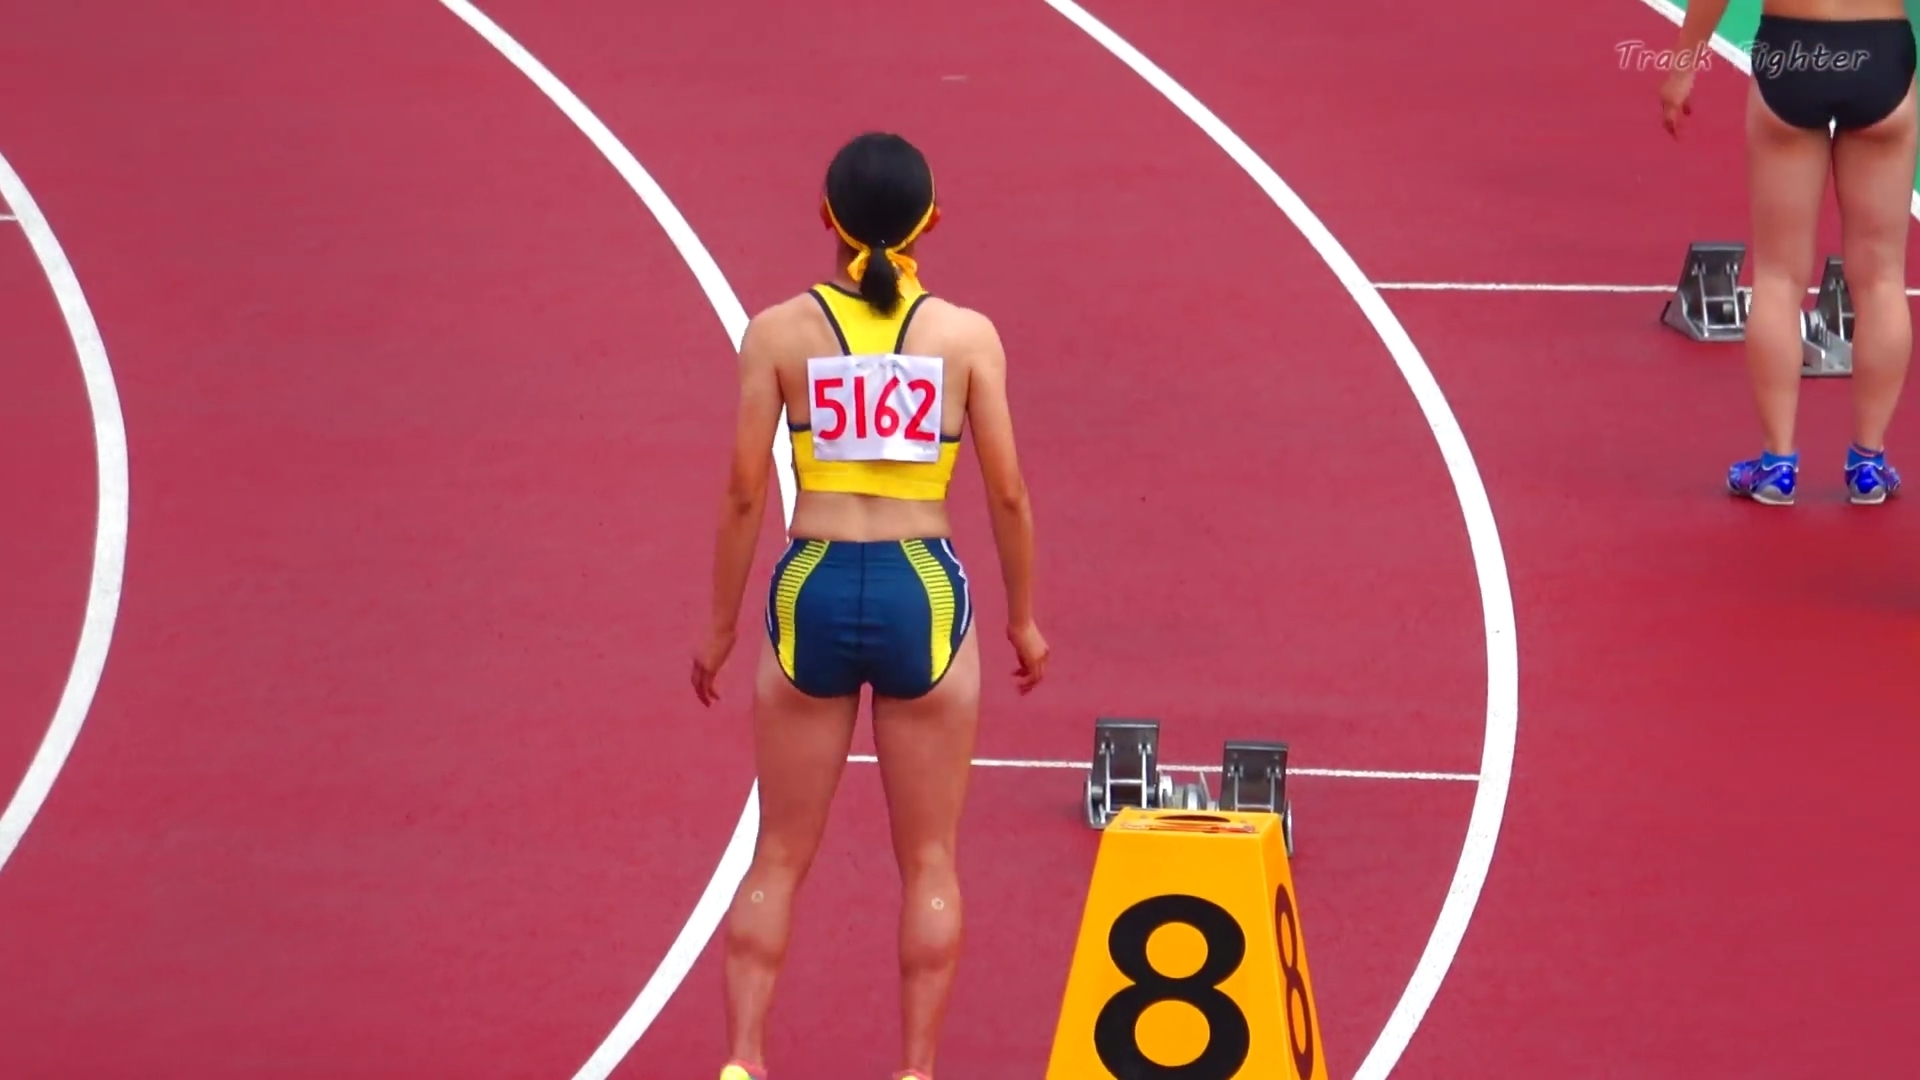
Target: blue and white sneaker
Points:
(1767, 479)
(1869, 478)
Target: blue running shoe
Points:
(1869, 478)
(1767, 479)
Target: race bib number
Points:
(876, 408)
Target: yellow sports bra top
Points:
(863, 331)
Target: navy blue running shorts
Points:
(889, 614)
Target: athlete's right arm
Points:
(991, 419)
(746, 496)
(1676, 90)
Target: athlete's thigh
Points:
(1873, 170)
(800, 746)
(1787, 169)
(925, 746)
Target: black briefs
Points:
(1852, 73)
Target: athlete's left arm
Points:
(745, 501)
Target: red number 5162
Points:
(885, 418)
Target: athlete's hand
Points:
(1676, 100)
(1031, 648)
(706, 665)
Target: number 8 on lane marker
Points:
(1190, 963)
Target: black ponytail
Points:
(879, 188)
(880, 286)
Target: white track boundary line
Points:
(1083, 766)
(8, 217)
(1536, 287)
(1735, 55)
(1513, 286)
(1496, 596)
(110, 519)
(713, 902)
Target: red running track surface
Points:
(1702, 870)
(371, 786)
(47, 500)
(394, 770)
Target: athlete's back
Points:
(833, 383)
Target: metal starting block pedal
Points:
(1826, 332)
(1709, 303)
(1194, 796)
(1253, 779)
(1126, 769)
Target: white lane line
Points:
(1536, 287)
(1496, 596)
(1735, 55)
(713, 903)
(1495, 286)
(8, 217)
(110, 519)
(1082, 766)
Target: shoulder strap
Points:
(860, 329)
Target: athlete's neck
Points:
(844, 258)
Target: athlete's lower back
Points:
(1836, 10)
(832, 515)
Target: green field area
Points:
(1738, 23)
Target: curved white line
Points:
(1496, 595)
(110, 521)
(712, 905)
(1496, 599)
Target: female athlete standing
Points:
(1816, 63)
(878, 379)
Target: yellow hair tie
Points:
(862, 253)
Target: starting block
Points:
(1190, 961)
(1826, 332)
(1126, 769)
(1709, 303)
(1126, 772)
(1253, 777)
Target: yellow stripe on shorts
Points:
(786, 596)
(933, 578)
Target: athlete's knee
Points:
(930, 923)
(1876, 268)
(1779, 280)
(1884, 294)
(779, 860)
(926, 859)
(760, 923)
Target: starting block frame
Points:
(1826, 332)
(1126, 769)
(1709, 303)
(1126, 772)
(1253, 779)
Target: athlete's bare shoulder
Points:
(777, 334)
(961, 333)
(785, 320)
